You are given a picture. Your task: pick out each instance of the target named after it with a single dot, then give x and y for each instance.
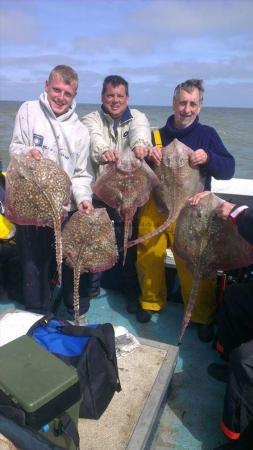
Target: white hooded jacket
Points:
(63, 139)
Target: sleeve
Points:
(83, 172)
(21, 141)
(221, 164)
(98, 143)
(139, 131)
(244, 223)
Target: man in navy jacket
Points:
(213, 159)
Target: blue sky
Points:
(153, 44)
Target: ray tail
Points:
(58, 248)
(191, 302)
(153, 233)
(76, 293)
(127, 233)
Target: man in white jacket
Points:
(50, 128)
(115, 132)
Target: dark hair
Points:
(114, 80)
(66, 72)
(188, 86)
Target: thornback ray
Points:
(207, 244)
(37, 193)
(178, 182)
(89, 245)
(126, 185)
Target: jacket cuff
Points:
(236, 212)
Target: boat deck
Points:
(189, 419)
(131, 417)
(191, 415)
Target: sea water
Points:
(234, 125)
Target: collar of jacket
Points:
(126, 116)
(178, 132)
(49, 112)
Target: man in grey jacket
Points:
(117, 131)
(50, 128)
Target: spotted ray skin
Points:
(36, 193)
(208, 244)
(89, 245)
(178, 182)
(126, 185)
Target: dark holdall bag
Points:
(91, 350)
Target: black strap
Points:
(68, 427)
(14, 413)
(79, 331)
(65, 424)
(24, 437)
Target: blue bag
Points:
(91, 350)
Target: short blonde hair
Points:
(66, 72)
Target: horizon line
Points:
(132, 105)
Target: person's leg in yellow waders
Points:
(151, 273)
(150, 263)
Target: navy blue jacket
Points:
(220, 165)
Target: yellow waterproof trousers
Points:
(151, 269)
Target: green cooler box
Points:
(43, 386)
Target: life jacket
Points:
(7, 229)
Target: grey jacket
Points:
(132, 130)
